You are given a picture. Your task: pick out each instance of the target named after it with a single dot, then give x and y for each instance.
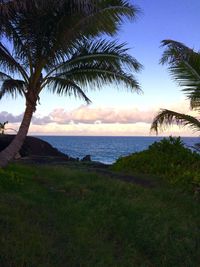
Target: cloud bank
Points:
(88, 120)
(5, 116)
(86, 115)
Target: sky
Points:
(115, 111)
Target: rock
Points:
(33, 147)
(86, 158)
(18, 156)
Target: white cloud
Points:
(89, 120)
(90, 115)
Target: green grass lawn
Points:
(61, 216)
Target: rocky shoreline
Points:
(35, 150)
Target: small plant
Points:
(3, 128)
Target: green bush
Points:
(168, 159)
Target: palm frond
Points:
(4, 76)
(95, 76)
(53, 31)
(184, 66)
(95, 63)
(44, 31)
(106, 17)
(2, 124)
(167, 117)
(12, 87)
(195, 101)
(10, 129)
(22, 50)
(66, 87)
(45, 35)
(9, 63)
(98, 51)
(104, 51)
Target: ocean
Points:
(105, 149)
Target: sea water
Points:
(105, 149)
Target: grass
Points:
(61, 216)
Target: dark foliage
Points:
(169, 159)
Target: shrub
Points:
(168, 159)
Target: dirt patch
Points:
(124, 177)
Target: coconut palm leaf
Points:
(97, 52)
(10, 129)
(106, 16)
(66, 87)
(89, 20)
(10, 64)
(9, 30)
(93, 64)
(184, 66)
(12, 87)
(106, 60)
(4, 76)
(195, 100)
(95, 76)
(49, 35)
(22, 51)
(168, 117)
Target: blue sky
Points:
(158, 20)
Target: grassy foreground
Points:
(59, 216)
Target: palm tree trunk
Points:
(13, 148)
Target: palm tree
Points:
(3, 128)
(58, 45)
(184, 66)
